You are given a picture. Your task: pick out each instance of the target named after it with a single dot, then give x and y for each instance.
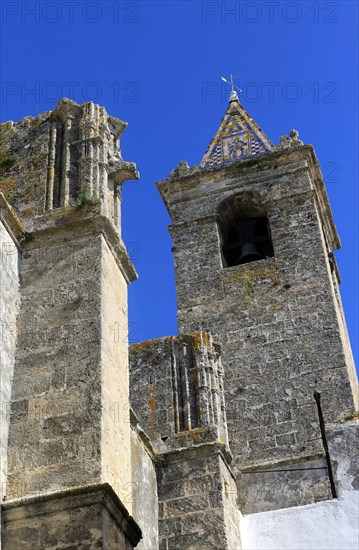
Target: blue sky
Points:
(157, 65)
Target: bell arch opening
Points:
(244, 231)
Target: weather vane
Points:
(231, 83)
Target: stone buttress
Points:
(69, 465)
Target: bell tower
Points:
(253, 241)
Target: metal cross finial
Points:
(230, 82)
(233, 95)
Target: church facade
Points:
(240, 432)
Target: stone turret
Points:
(184, 380)
(60, 158)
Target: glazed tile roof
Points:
(238, 137)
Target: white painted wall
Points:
(327, 525)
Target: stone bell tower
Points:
(253, 240)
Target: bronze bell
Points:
(249, 253)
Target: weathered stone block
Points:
(88, 518)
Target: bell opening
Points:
(246, 240)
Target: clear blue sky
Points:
(157, 65)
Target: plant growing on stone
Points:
(84, 197)
(4, 134)
(248, 288)
(159, 459)
(25, 236)
(8, 162)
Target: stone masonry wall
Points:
(81, 519)
(197, 501)
(143, 487)
(151, 386)
(115, 436)
(9, 302)
(56, 405)
(10, 254)
(63, 426)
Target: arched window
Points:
(244, 231)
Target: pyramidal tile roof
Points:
(238, 137)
